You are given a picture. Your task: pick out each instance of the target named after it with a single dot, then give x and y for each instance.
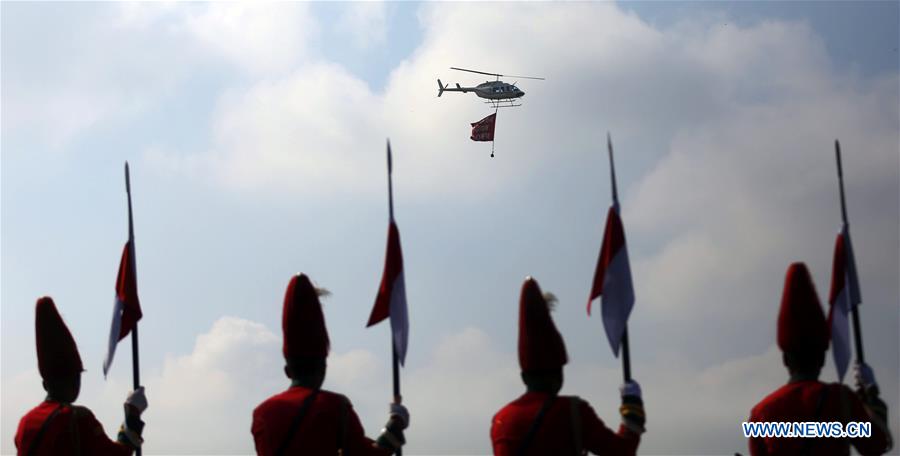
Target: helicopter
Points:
(497, 93)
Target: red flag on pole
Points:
(483, 130)
(612, 280)
(127, 308)
(391, 299)
(843, 296)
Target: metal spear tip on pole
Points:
(127, 178)
(837, 154)
(390, 166)
(612, 170)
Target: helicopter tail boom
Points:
(446, 88)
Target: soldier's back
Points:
(52, 428)
(328, 424)
(813, 401)
(569, 426)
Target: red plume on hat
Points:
(540, 344)
(56, 350)
(801, 322)
(302, 321)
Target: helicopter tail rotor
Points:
(440, 88)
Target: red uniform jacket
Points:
(73, 430)
(556, 434)
(320, 430)
(797, 402)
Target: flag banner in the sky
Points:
(843, 296)
(391, 299)
(483, 130)
(127, 308)
(612, 281)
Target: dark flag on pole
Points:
(127, 308)
(843, 296)
(483, 130)
(612, 280)
(391, 299)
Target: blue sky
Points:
(256, 137)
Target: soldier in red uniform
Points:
(56, 427)
(306, 419)
(803, 337)
(541, 422)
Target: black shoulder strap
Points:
(74, 428)
(526, 442)
(342, 427)
(807, 445)
(845, 406)
(575, 415)
(304, 408)
(37, 439)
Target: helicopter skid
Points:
(502, 103)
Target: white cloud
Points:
(69, 89)
(354, 369)
(739, 198)
(467, 379)
(259, 37)
(231, 369)
(99, 65)
(365, 23)
(142, 15)
(311, 131)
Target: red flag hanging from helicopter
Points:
(497, 94)
(483, 130)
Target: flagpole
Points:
(394, 361)
(857, 331)
(626, 353)
(135, 358)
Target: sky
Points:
(256, 133)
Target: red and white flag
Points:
(391, 299)
(483, 130)
(612, 280)
(842, 298)
(127, 308)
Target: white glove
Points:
(631, 388)
(137, 400)
(865, 378)
(399, 411)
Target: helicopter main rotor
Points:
(496, 74)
